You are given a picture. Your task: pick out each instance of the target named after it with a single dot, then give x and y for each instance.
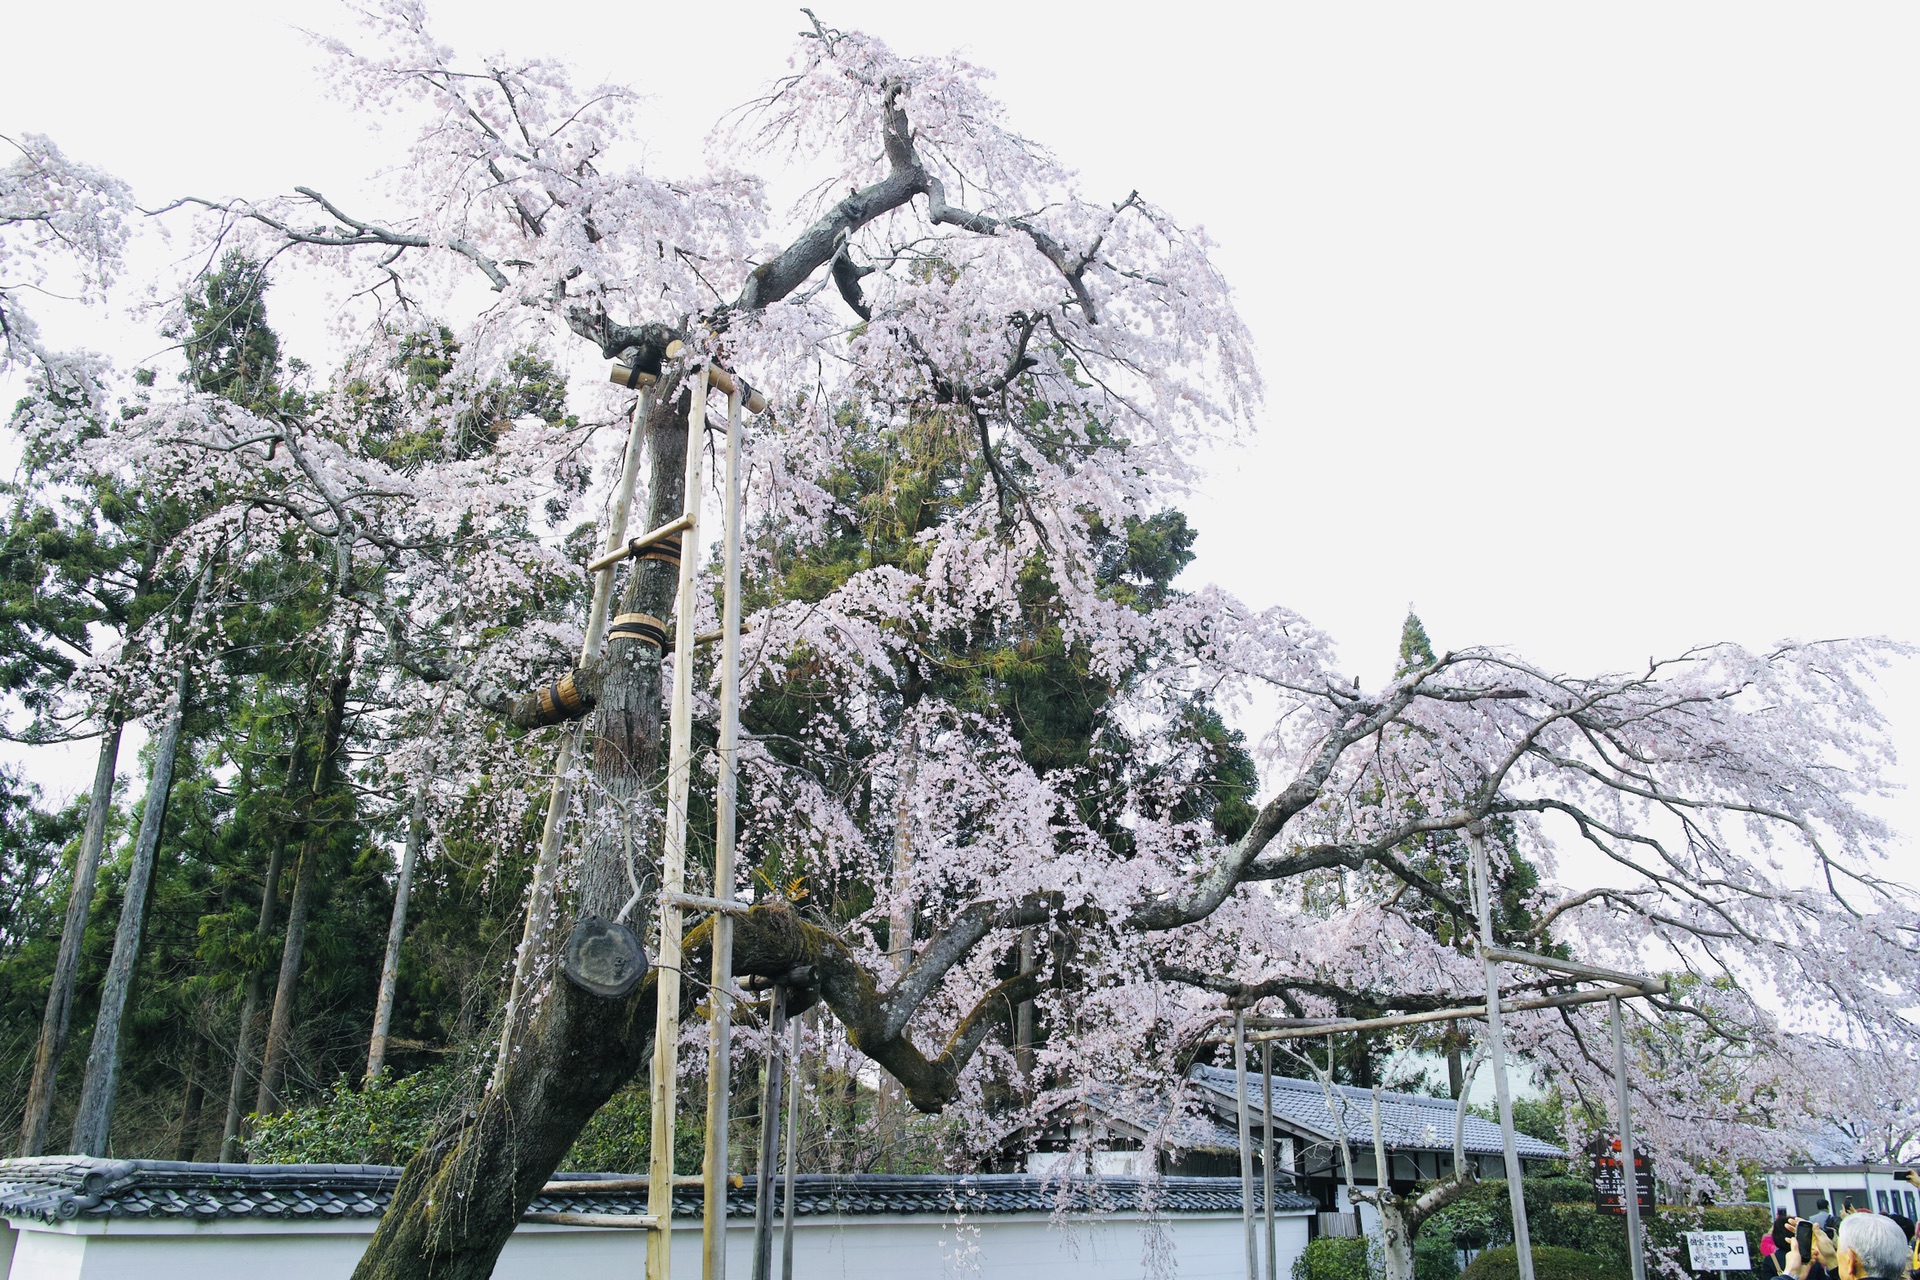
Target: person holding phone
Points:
(1811, 1256)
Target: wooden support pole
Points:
(1629, 1166)
(628, 376)
(793, 1150)
(700, 902)
(1586, 972)
(1496, 1050)
(765, 1167)
(588, 1186)
(1246, 1141)
(719, 990)
(1266, 1156)
(673, 863)
(614, 555)
(1656, 987)
(630, 1221)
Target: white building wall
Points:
(1003, 1247)
(1830, 1184)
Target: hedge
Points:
(1550, 1262)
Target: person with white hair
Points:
(1872, 1247)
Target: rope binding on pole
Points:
(639, 626)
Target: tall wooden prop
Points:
(720, 989)
(1496, 1050)
(1629, 1166)
(768, 1163)
(1246, 1141)
(673, 861)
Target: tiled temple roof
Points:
(63, 1188)
(1408, 1121)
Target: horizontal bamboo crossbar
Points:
(626, 1221)
(708, 637)
(723, 380)
(628, 376)
(585, 1186)
(636, 545)
(1654, 987)
(1592, 973)
(695, 902)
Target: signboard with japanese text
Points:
(1609, 1178)
(1718, 1251)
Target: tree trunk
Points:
(314, 831)
(250, 1008)
(190, 1106)
(462, 1196)
(66, 966)
(396, 933)
(95, 1117)
(280, 1024)
(1396, 1240)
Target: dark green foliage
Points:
(616, 1139)
(381, 1123)
(1549, 1263)
(1338, 1258)
(1416, 650)
(1435, 1259)
(81, 554)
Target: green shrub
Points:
(1337, 1258)
(619, 1136)
(385, 1123)
(1549, 1263)
(1468, 1223)
(1435, 1259)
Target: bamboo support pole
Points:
(588, 1186)
(628, 376)
(1655, 987)
(673, 861)
(1587, 972)
(769, 1137)
(1246, 1141)
(1629, 1165)
(793, 1151)
(1496, 1050)
(700, 902)
(629, 1221)
(614, 555)
(1266, 1157)
(560, 796)
(719, 997)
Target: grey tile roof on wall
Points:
(1408, 1121)
(62, 1188)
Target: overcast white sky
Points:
(1588, 330)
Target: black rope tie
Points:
(640, 626)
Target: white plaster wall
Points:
(1018, 1247)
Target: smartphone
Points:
(1803, 1238)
